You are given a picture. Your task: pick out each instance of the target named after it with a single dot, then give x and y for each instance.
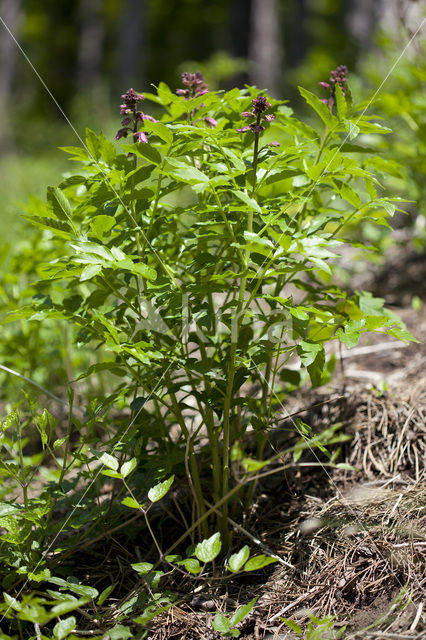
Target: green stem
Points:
(195, 475)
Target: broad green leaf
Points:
(237, 560)
(101, 225)
(250, 202)
(106, 149)
(308, 351)
(322, 110)
(347, 193)
(186, 172)
(191, 564)
(242, 612)
(258, 562)
(142, 567)
(221, 623)
(159, 129)
(130, 502)
(160, 490)
(64, 628)
(90, 272)
(120, 632)
(150, 153)
(109, 461)
(207, 550)
(127, 467)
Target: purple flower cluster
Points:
(338, 76)
(195, 87)
(133, 117)
(259, 105)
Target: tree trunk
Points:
(91, 35)
(131, 46)
(11, 12)
(266, 50)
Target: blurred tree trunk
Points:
(362, 20)
(89, 54)
(239, 35)
(11, 11)
(266, 47)
(131, 46)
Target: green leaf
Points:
(93, 144)
(322, 110)
(250, 202)
(109, 461)
(160, 490)
(150, 153)
(60, 205)
(142, 567)
(237, 560)
(342, 107)
(221, 623)
(293, 626)
(106, 149)
(258, 562)
(127, 467)
(242, 612)
(159, 129)
(186, 172)
(105, 593)
(101, 225)
(120, 632)
(130, 502)
(191, 564)
(308, 351)
(90, 272)
(207, 550)
(64, 628)
(347, 193)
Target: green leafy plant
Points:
(199, 262)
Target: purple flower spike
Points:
(274, 143)
(259, 104)
(122, 133)
(337, 77)
(140, 136)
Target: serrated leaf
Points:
(150, 153)
(63, 628)
(258, 562)
(109, 461)
(209, 549)
(342, 107)
(322, 110)
(60, 205)
(237, 560)
(127, 467)
(160, 490)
